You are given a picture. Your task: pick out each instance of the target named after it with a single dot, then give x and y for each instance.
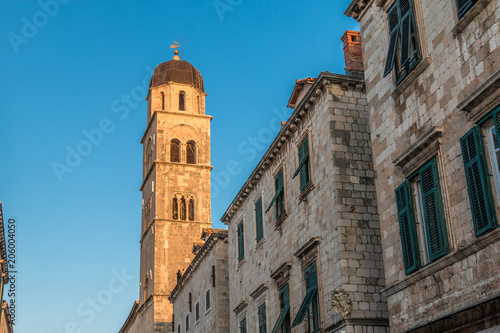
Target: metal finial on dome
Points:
(176, 52)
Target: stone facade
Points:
(175, 190)
(201, 297)
(329, 226)
(421, 117)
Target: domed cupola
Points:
(177, 71)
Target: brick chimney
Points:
(353, 54)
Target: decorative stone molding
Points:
(240, 307)
(482, 99)
(309, 251)
(356, 8)
(341, 302)
(260, 289)
(282, 274)
(415, 155)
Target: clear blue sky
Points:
(61, 76)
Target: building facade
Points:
(201, 296)
(433, 87)
(304, 240)
(175, 189)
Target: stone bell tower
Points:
(175, 187)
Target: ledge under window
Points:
(411, 77)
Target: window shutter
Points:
(433, 211)
(311, 277)
(480, 196)
(259, 220)
(243, 326)
(463, 6)
(304, 171)
(262, 319)
(393, 20)
(277, 189)
(405, 39)
(407, 228)
(241, 245)
(496, 118)
(284, 307)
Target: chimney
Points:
(353, 54)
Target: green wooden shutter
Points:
(393, 19)
(262, 318)
(407, 230)
(284, 296)
(478, 182)
(496, 118)
(277, 189)
(241, 240)
(463, 6)
(304, 171)
(259, 220)
(243, 326)
(433, 211)
(311, 279)
(280, 192)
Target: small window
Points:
(197, 310)
(421, 218)
(463, 6)
(145, 287)
(259, 220)
(207, 299)
(175, 209)
(283, 323)
(304, 169)
(183, 209)
(241, 242)
(187, 322)
(191, 210)
(279, 195)
(178, 328)
(182, 101)
(175, 151)
(403, 54)
(243, 325)
(310, 305)
(148, 158)
(198, 105)
(262, 318)
(162, 100)
(191, 152)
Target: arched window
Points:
(182, 101)
(148, 155)
(162, 101)
(183, 209)
(175, 209)
(191, 152)
(191, 210)
(175, 151)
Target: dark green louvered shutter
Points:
(262, 318)
(259, 227)
(393, 19)
(311, 277)
(407, 230)
(304, 171)
(433, 211)
(241, 240)
(478, 182)
(283, 319)
(463, 6)
(278, 189)
(280, 192)
(243, 326)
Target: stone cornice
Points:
(203, 166)
(260, 289)
(310, 244)
(3, 250)
(240, 307)
(202, 253)
(131, 318)
(323, 80)
(181, 113)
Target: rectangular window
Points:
(187, 322)
(304, 168)
(241, 242)
(179, 328)
(259, 220)
(478, 175)
(243, 326)
(207, 300)
(463, 6)
(403, 54)
(262, 318)
(283, 323)
(197, 311)
(421, 218)
(279, 196)
(310, 305)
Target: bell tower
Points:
(175, 186)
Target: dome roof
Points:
(178, 71)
